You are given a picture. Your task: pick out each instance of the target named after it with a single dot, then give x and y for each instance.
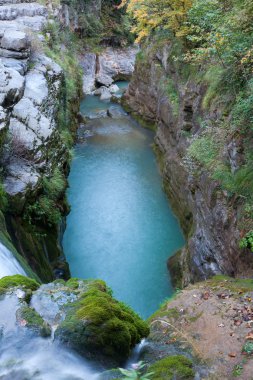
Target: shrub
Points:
(172, 368)
(55, 185)
(247, 241)
(3, 198)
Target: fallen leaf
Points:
(206, 295)
(249, 336)
(232, 355)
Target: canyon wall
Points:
(164, 94)
(34, 152)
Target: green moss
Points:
(164, 311)
(194, 318)
(100, 325)
(237, 285)
(18, 280)
(34, 321)
(172, 368)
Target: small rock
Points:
(20, 294)
(113, 88)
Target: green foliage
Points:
(54, 186)
(237, 370)
(116, 23)
(237, 285)
(136, 373)
(63, 47)
(248, 348)
(9, 282)
(34, 321)
(154, 15)
(43, 210)
(173, 95)
(46, 209)
(173, 368)
(213, 77)
(243, 109)
(247, 241)
(3, 198)
(204, 150)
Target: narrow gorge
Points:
(126, 243)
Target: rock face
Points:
(31, 89)
(105, 68)
(207, 214)
(88, 63)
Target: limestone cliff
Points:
(164, 94)
(32, 93)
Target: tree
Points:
(151, 15)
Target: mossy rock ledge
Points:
(99, 327)
(88, 319)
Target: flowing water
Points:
(120, 228)
(8, 263)
(25, 356)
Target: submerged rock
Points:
(116, 112)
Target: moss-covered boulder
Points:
(28, 317)
(99, 327)
(18, 280)
(172, 368)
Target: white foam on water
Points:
(8, 263)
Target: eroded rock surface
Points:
(103, 69)
(27, 97)
(208, 215)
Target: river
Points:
(121, 227)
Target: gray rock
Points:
(15, 40)
(20, 65)
(36, 87)
(113, 89)
(30, 115)
(14, 54)
(21, 179)
(3, 118)
(105, 94)
(116, 63)
(88, 63)
(11, 86)
(104, 79)
(13, 11)
(23, 135)
(97, 115)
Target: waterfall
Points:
(8, 263)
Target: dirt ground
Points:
(215, 320)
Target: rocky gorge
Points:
(204, 330)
